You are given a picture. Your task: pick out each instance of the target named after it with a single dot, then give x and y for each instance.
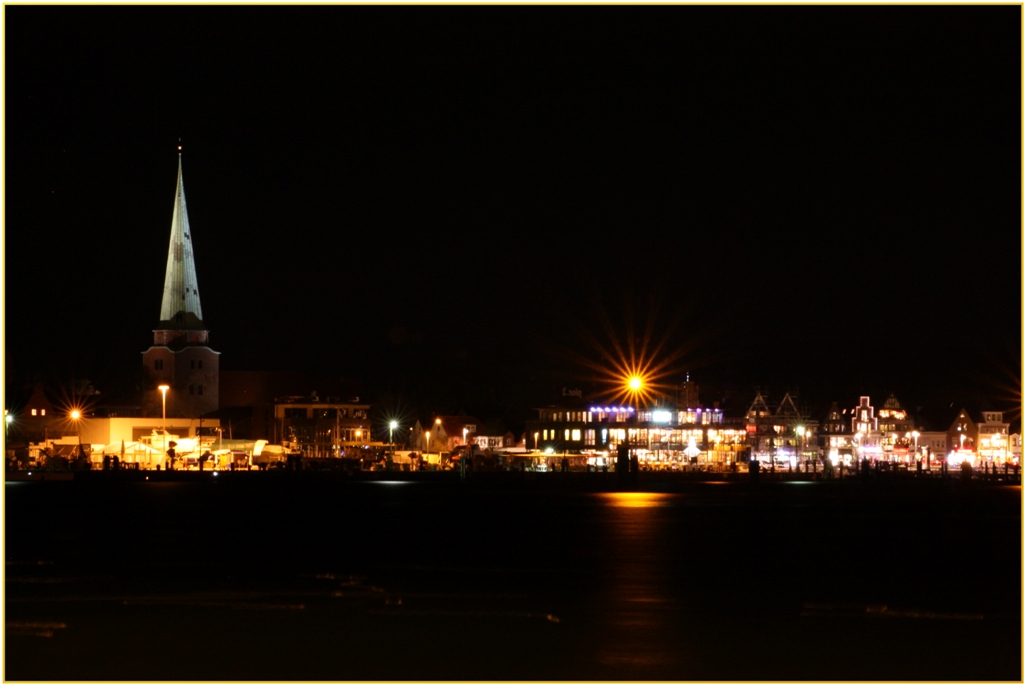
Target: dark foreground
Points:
(288, 579)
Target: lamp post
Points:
(536, 441)
(163, 391)
(634, 384)
(76, 416)
(465, 455)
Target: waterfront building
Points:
(780, 433)
(74, 425)
(932, 445)
(180, 356)
(864, 425)
(896, 429)
(661, 434)
(321, 427)
(962, 434)
(992, 438)
(489, 442)
(454, 431)
(433, 441)
(838, 436)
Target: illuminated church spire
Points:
(180, 357)
(180, 308)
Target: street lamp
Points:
(465, 455)
(76, 416)
(163, 390)
(634, 384)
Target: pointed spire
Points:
(180, 309)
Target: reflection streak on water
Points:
(636, 499)
(638, 607)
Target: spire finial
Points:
(179, 144)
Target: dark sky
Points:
(470, 207)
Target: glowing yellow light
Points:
(76, 414)
(635, 383)
(636, 499)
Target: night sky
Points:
(470, 208)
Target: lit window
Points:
(33, 412)
(567, 434)
(575, 435)
(42, 412)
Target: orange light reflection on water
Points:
(636, 499)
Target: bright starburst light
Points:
(636, 367)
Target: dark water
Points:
(258, 579)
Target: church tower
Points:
(180, 356)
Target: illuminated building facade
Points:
(659, 434)
(782, 432)
(838, 436)
(896, 430)
(993, 440)
(864, 425)
(1015, 447)
(962, 433)
(932, 445)
(180, 356)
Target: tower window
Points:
(158, 364)
(200, 392)
(33, 412)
